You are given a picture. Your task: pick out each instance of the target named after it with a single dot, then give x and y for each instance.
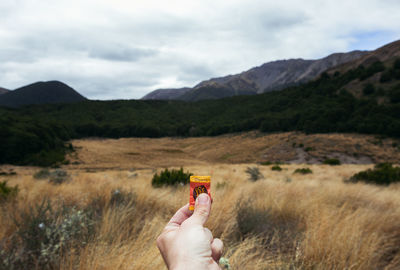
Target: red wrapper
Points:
(198, 185)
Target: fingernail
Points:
(202, 199)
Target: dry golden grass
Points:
(311, 221)
(251, 147)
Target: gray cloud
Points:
(125, 49)
(120, 53)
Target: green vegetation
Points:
(382, 174)
(332, 161)
(37, 134)
(266, 163)
(391, 73)
(7, 192)
(46, 230)
(303, 171)
(369, 89)
(171, 178)
(57, 176)
(11, 173)
(42, 174)
(254, 173)
(276, 168)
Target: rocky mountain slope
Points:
(267, 77)
(41, 93)
(377, 74)
(3, 91)
(167, 94)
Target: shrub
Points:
(396, 64)
(170, 178)
(382, 174)
(266, 163)
(122, 198)
(394, 94)
(276, 168)
(43, 234)
(8, 173)
(7, 192)
(42, 174)
(386, 76)
(303, 171)
(307, 149)
(368, 89)
(57, 176)
(254, 173)
(332, 161)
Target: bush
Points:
(368, 89)
(254, 173)
(382, 174)
(308, 149)
(11, 173)
(43, 234)
(266, 163)
(7, 192)
(57, 176)
(122, 198)
(394, 94)
(386, 76)
(303, 171)
(42, 174)
(276, 168)
(171, 178)
(396, 64)
(332, 161)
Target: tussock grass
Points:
(314, 222)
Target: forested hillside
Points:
(37, 134)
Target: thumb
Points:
(201, 210)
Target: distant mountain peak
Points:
(267, 77)
(3, 91)
(41, 93)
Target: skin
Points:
(186, 244)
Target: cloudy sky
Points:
(120, 49)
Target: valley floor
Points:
(282, 221)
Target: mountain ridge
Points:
(40, 93)
(269, 76)
(3, 91)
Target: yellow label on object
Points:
(200, 179)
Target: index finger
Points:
(180, 216)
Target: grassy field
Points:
(282, 221)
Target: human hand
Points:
(186, 244)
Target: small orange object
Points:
(198, 185)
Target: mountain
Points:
(3, 91)
(167, 94)
(375, 75)
(387, 53)
(41, 93)
(270, 76)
